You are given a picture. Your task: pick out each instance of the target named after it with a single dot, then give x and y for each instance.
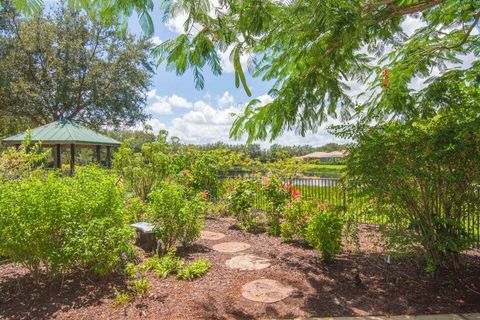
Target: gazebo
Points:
(67, 133)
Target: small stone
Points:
(231, 247)
(248, 262)
(266, 291)
(210, 235)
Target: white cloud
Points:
(156, 125)
(179, 102)
(156, 40)
(160, 107)
(151, 94)
(176, 24)
(411, 24)
(205, 123)
(226, 99)
(165, 104)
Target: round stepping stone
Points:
(248, 262)
(210, 235)
(266, 291)
(231, 247)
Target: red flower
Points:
(265, 182)
(204, 195)
(294, 192)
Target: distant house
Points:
(323, 156)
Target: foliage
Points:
(143, 170)
(276, 195)
(324, 233)
(216, 209)
(56, 224)
(296, 215)
(122, 298)
(135, 208)
(175, 216)
(240, 203)
(194, 270)
(424, 173)
(64, 63)
(205, 173)
(313, 57)
(140, 286)
(164, 265)
(21, 162)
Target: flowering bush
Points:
(176, 216)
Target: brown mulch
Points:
(322, 290)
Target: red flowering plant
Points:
(294, 192)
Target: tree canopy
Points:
(63, 64)
(314, 51)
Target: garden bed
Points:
(321, 290)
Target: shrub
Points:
(240, 203)
(423, 173)
(205, 172)
(216, 209)
(122, 298)
(194, 270)
(296, 215)
(140, 286)
(165, 265)
(142, 171)
(277, 195)
(324, 233)
(176, 218)
(21, 162)
(60, 224)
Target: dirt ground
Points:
(355, 284)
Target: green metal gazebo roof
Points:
(64, 132)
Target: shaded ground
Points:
(323, 290)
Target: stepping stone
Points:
(248, 262)
(231, 247)
(210, 235)
(266, 291)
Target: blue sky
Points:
(203, 116)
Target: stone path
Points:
(231, 247)
(210, 235)
(266, 291)
(261, 290)
(270, 291)
(247, 262)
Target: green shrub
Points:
(240, 203)
(296, 216)
(276, 195)
(423, 173)
(140, 286)
(194, 270)
(122, 298)
(60, 224)
(176, 218)
(217, 209)
(165, 265)
(324, 233)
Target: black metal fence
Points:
(363, 209)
